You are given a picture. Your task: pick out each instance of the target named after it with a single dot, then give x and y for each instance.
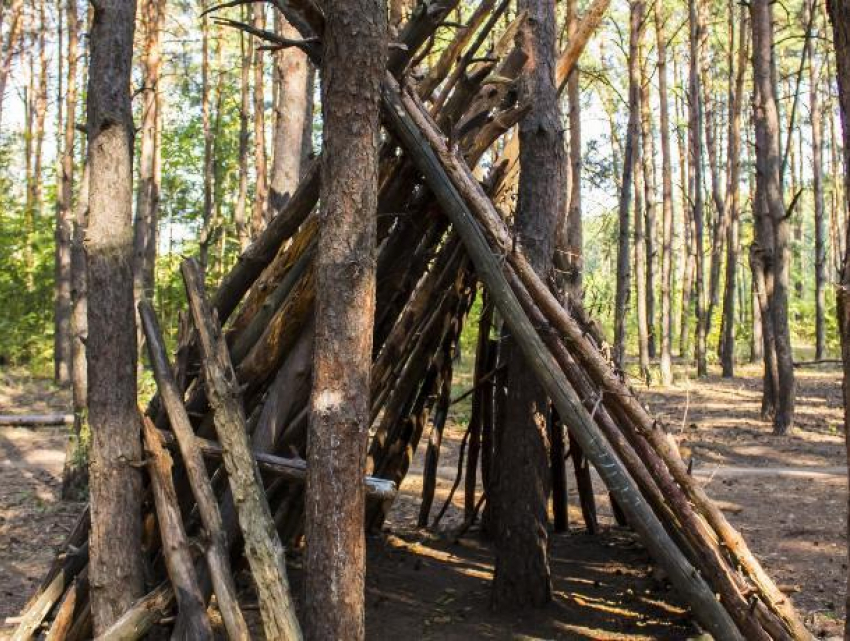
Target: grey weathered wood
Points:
(175, 545)
(216, 541)
(445, 174)
(263, 548)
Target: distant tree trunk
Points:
(64, 203)
(37, 108)
(292, 74)
(75, 472)
(10, 47)
(258, 218)
(240, 210)
(650, 190)
(147, 194)
(629, 160)
(733, 191)
(667, 202)
(839, 14)
(818, 195)
(640, 243)
(695, 166)
(522, 575)
(345, 306)
(207, 128)
(574, 229)
(772, 225)
(688, 248)
(115, 569)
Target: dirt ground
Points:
(787, 496)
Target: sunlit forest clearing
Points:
(429, 319)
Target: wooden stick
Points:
(65, 612)
(262, 545)
(175, 546)
(216, 548)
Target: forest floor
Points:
(786, 495)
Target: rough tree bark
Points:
(115, 483)
(522, 575)
(666, 201)
(292, 69)
(260, 213)
(733, 190)
(147, 194)
(818, 195)
(695, 173)
(355, 37)
(64, 208)
(772, 226)
(240, 209)
(621, 303)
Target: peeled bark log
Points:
(262, 545)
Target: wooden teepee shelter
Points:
(238, 389)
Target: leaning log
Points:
(216, 542)
(175, 545)
(263, 548)
(145, 613)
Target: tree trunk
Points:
(75, 471)
(345, 306)
(115, 481)
(818, 195)
(772, 225)
(206, 234)
(64, 211)
(292, 74)
(733, 191)
(147, 194)
(260, 213)
(522, 566)
(695, 173)
(640, 209)
(621, 303)
(649, 190)
(666, 202)
(573, 246)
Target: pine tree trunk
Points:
(667, 203)
(355, 37)
(260, 213)
(733, 191)
(292, 71)
(640, 209)
(574, 232)
(772, 224)
(629, 161)
(207, 128)
(650, 189)
(696, 123)
(115, 568)
(64, 212)
(522, 575)
(147, 194)
(818, 195)
(10, 46)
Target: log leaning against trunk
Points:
(216, 549)
(262, 545)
